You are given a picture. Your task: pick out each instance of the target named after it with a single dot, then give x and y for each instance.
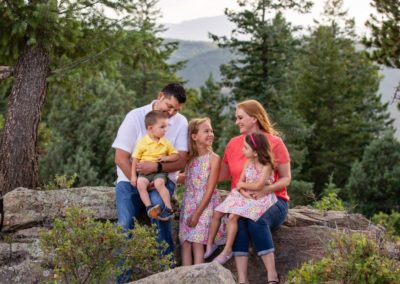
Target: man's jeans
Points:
(129, 206)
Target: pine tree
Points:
(335, 89)
(83, 110)
(145, 69)
(38, 39)
(385, 35)
(385, 32)
(82, 131)
(264, 49)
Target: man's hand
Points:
(181, 179)
(163, 159)
(146, 167)
(134, 181)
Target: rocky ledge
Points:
(302, 237)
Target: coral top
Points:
(235, 159)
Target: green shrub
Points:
(83, 250)
(1, 123)
(62, 181)
(330, 199)
(349, 259)
(329, 202)
(391, 222)
(180, 189)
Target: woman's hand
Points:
(240, 185)
(246, 194)
(260, 193)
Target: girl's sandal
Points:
(208, 253)
(275, 281)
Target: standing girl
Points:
(200, 197)
(241, 202)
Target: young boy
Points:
(154, 147)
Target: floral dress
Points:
(198, 172)
(246, 207)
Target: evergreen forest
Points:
(71, 70)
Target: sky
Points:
(177, 11)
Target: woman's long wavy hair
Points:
(254, 109)
(194, 126)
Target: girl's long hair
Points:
(259, 143)
(194, 125)
(254, 109)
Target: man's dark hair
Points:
(152, 117)
(176, 90)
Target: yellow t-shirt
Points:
(149, 150)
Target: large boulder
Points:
(301, 238)
(26, 208)
(195, 274)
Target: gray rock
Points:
(195, 274)
(26, 208)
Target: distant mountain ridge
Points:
(202, 58)
(198, 29)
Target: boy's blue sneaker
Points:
(166, 214)
(153, 211)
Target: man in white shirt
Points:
(170, 100)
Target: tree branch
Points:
(5, 72)
(77, 7)
(78, 62)
(396, 95)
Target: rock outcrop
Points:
(26, 208)
(302, 237)
(195, 274)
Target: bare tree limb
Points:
(396, 95)
(5, 72)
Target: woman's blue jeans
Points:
(260, 231)
(129, 205)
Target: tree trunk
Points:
(18, 158)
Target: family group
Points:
(157, 148)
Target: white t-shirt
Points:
(133, 128)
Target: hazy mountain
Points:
(198, 29)
(190, 49)
(202, 58)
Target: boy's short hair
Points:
(152, 117)
(176, 90)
